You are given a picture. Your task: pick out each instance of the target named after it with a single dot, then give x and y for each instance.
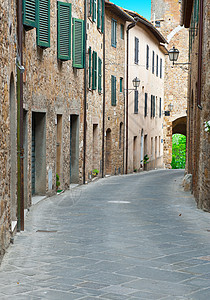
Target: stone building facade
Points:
(115, 53)
(195, 16)
(145, 119)
(165, 16)
(94, 107)
(8, 121)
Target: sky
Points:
(143, 7)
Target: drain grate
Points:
(48, 231)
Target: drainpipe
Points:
(20, 151)
(104, 91)
(200, 49)
(85, 92)
(130, 26)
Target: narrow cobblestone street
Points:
(125, 237)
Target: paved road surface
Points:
(125, 237)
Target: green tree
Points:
(178, 151)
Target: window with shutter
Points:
(153, 62)
(64, 31)
(113, 90)
(147, 58)
(99, 15)
(114, 33)
(94, 10)
(160, 113)
(78, 43)
(145, 105)
(136, 51)
(99, 74)
(151, 106)
(157, 65)
(43, 23)
(122, 32)
(89, 67)
(90, 8)
(94, 70)
(29, 14)
(161, 67)
(121, 84)
(136, 100)
(102, 16)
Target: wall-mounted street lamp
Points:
(173, 56)
(168, 112)
(136, 82)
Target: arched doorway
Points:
(178, 151)
(179, 125)
(108, 152)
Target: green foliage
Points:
(146, 158)
(178, 151)
(95, 172)
(57, 181)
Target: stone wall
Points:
(7, 67)
(175, 76)
(198, 141)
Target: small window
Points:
(145, 105)
(136, 51)
(120, 135)
(114, 33)
(94, 11)
(121, 84)
(157, 65)
(136, 100)
(160, 107)
(94, 70)
(147, 58)
(161, 68)
(153, 62)
(157, 24)
(122, 32)
(89, 67)
(99, 75)
(113, 90)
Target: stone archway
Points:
(179, 125)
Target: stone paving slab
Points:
(124, 237)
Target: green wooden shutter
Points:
(102, 16)
(94, 70)
(99, 74)
(89, 53)
(113, 90)
(121, 84)
(90, 7)
(94, 10)
(151, 114)
(29, 13)
(43, 23)
(78, 43)
(99, 15)
(64, 31)
(114, 33)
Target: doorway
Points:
(38, 154)
(108, 152)
(95, 159)
(135, 153)
(74, 149)
(59, 149)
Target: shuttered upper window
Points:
(136, 102)
(161, 68)
(99, 74)
(145, 105)
(94, 70)
(136, 51)
(114, 33)
(43, 23)
(94, 10)
(89, 66)
(78, 43)
(113, 90)
(99, 14)
(153, 62)
(64, 31)
(147, 58)
(29, 13)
